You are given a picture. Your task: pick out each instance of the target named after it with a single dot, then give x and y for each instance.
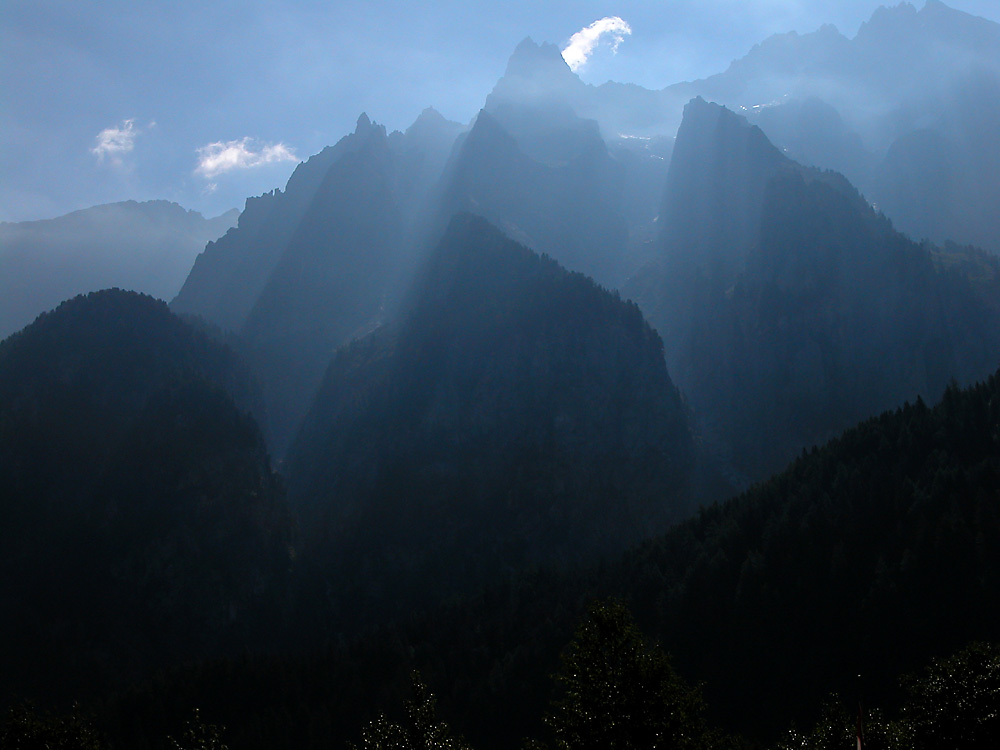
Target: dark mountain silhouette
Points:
(551, 163)
(489, 421)
(230, 274)
(789, 308)
(140, 520)
(148, 247)
(423, 150)
(311, 268)
(517, 415)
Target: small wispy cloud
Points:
(244, 153)
(582, 44)
(114, 143)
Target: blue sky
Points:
(207, 102)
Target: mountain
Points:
(556, 165)
(330, 282)
(537, 75)
(312, 268)
(597, 185)
(423, 150)
(140, 520)
(517, 415)
(148, 247)
(812, 132)
(908, 77)
(309, 269)
(229, 275)
(789, 308)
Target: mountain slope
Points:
(331, 281)
(867, 556)
(325, 261)
(893, 530)
(229, 275)
(546, 178)
(789, 308)
(517, 415)
(140, 520)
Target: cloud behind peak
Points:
(243, 153)
(583, 43)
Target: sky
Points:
(205, 103)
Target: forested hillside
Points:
(518, 415)
(140, 520)
(868, 556)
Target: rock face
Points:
(147, 247)
(330, 282)
(140, 521)
(715, 190)
(564, 201)
(517, 415)
(789, 308)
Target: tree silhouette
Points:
(421, 731)
(621, 693)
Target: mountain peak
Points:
(889, 21)
(528, 58)
(367, 131)
(720, 167)
(430, 114)
(431, 121)
(535, 72)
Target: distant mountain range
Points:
(148, 247)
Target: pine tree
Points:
(621, 693)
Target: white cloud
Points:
(582, 43)
(114, 143)
(218, 158)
